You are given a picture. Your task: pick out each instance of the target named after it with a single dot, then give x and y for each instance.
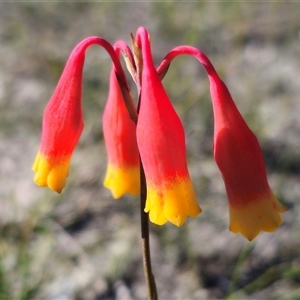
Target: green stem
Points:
(150, 280)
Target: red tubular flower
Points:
(63, 122)
(123, 170)
(252, 205)
(62, 125)
(161, 141)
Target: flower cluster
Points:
(150, 134)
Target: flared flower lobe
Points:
(172, 202)
(161, 141)
(123, 170)
(62, 125)
(252, 205)
(261, 214)
(51, 171)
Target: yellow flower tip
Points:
(263, 214)
(156, 214)
(57, 177)
(42, 168)
(51, 173)
(178, 220)
(172, 204)
(157, 217)
(36, 163)
(122, 180)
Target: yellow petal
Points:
(51, 172)
(42, 169)
(172, 202)
(155, 207)
(122, 180)
(263, 214)
(57, 177)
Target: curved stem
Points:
(188, 50)
(95, 40)
(121, 46)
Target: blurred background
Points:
(82, 244)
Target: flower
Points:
(123, 169)
(63, 122)
(252, 205)
(62, 125)
(161, 141)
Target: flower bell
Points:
(252, 205)
(123, 169)
(62, 121)
(62, 125)
(161, 141)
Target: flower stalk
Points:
(150, 279)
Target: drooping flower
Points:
(123, 169)
(161, 141)
(252, 205)
(62, 125)
(62, 121)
